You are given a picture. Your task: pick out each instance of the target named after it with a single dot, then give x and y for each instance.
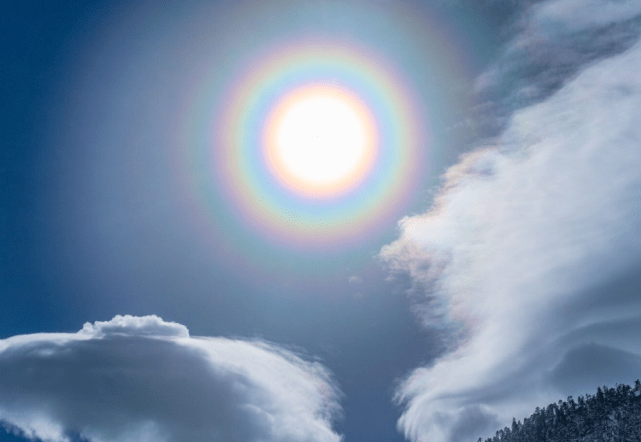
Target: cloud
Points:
(553, 41)
(530, 260)
(575, 15)
(144, 379)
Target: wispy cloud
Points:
(144, 379)
(531, 259)
(553, 40)
(564, 16)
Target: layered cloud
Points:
(144, 379)
(531, 260)
(576, 15)
(553, 41)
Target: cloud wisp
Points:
(553, 41)
(531, 259)
(144, 379)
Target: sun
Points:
(320, 140)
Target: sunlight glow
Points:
(321, 140)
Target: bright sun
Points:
(320, 140)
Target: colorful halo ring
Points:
(282, 209)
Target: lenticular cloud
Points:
(531, 257)
(144, 379)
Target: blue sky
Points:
(138, 305)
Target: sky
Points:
(177, 263)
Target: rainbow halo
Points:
(313, 144)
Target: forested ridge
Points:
(611, 415)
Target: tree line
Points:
(611, 415)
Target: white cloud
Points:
(144, 379)
(532, 251)
(575, 15)
(555, 40)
